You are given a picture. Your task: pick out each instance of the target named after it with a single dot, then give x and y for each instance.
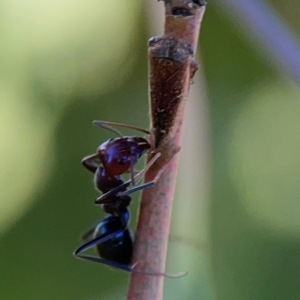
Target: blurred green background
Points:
(65, 63)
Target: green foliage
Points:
(66, 63)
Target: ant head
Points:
(118, 154)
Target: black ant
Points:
(111, 236)
(118, 155)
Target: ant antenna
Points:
(106, 125)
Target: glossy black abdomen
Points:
(119, 248)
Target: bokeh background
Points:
(236, 224)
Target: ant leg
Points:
(128, 268)
(89, 162)
(94, 242)
(97, 240)
(110, 198)
(88, 234)
(132, 170)
(166, 275)
(106, 198)
(144, 185)
(135, 171)
(103, 124)
(141, 174)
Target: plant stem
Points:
(156, 204)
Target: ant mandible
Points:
(111, 236)
(118, 155)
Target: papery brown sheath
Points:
(171, 68)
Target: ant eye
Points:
(121, 161)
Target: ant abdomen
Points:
(120, 247)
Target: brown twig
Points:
(171, 67)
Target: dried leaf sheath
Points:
(171, 67)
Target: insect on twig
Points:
(111, 236)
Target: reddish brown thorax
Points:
(117, 155)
